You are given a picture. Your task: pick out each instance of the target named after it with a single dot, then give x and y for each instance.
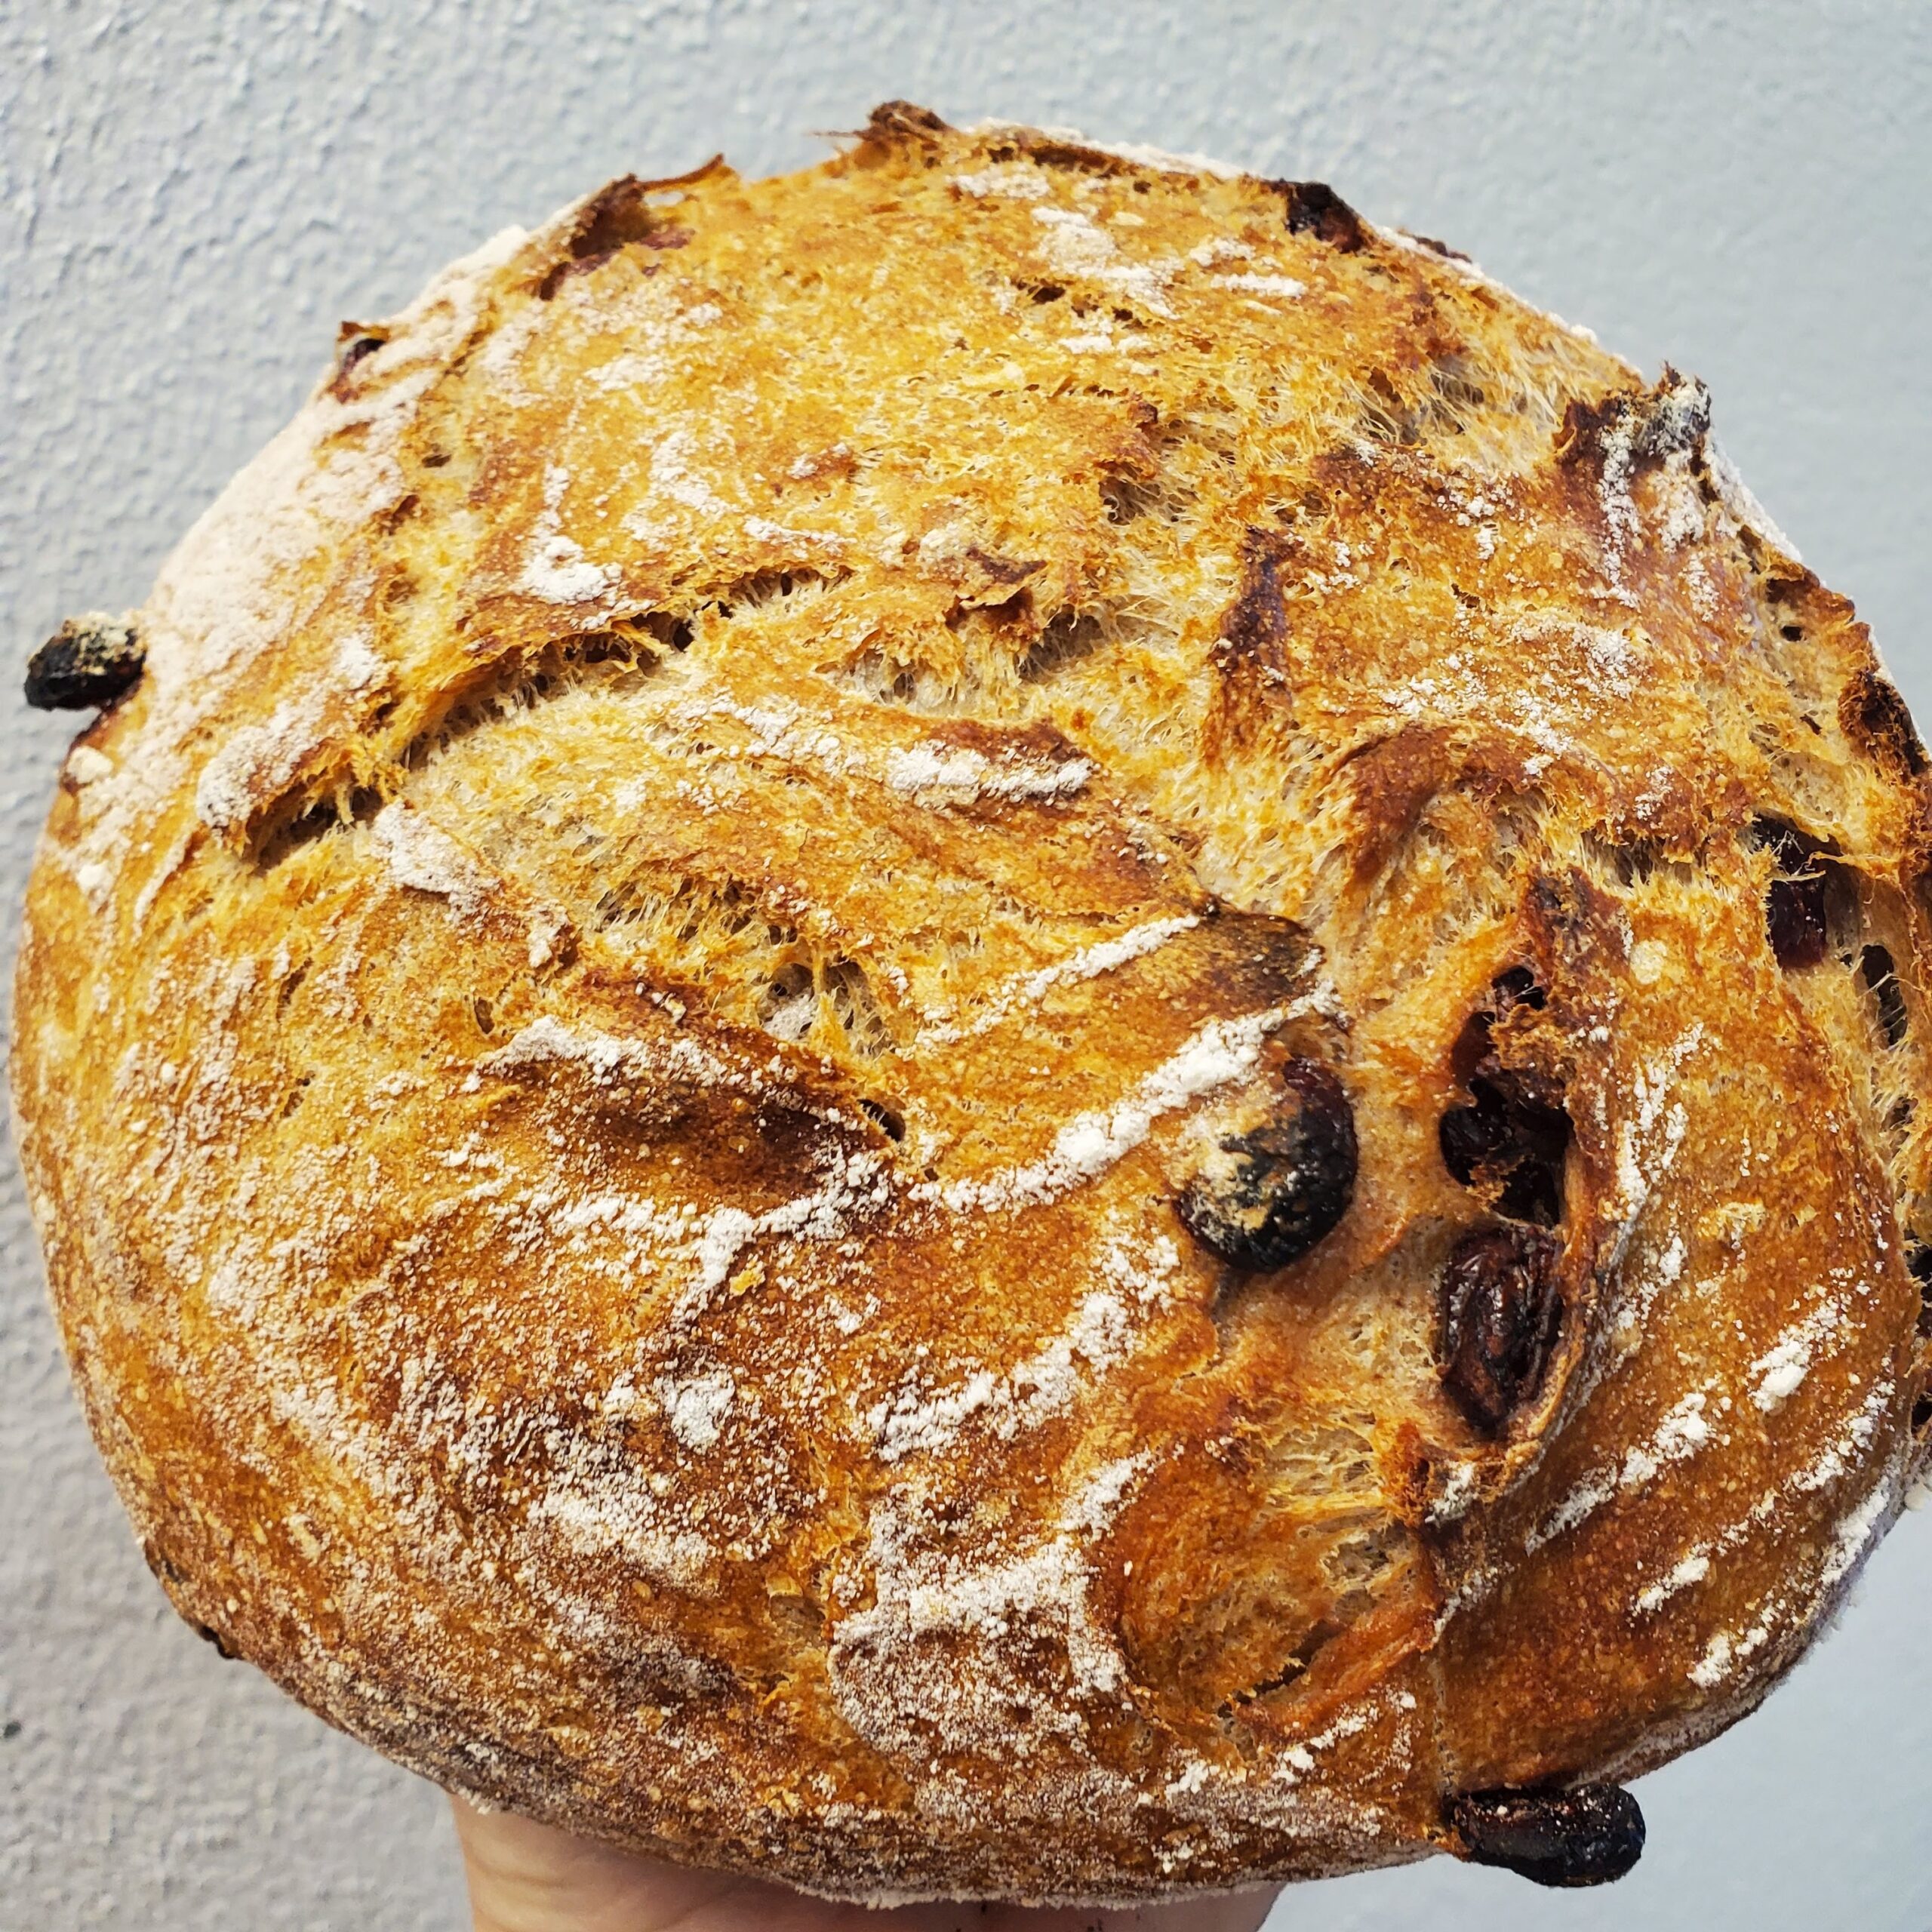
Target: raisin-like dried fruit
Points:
(1263, 1198)
(1511, 1141)
(1500, 1313)
(1589, 1835)
(88, 661)
(354, 343)
(1795, 904)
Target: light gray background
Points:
(191, 195)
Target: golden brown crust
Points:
(607, 1045)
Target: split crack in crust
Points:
(607, 1041)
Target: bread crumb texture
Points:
(608, 1042)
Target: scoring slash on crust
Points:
(975, 1131)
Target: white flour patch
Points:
(673, 480)
(1780, 1371)
(1854, 1537)
(1284, 285)
(953, 775)
(86, 766)
(1103, 956)
(1681, 1433)
(1142, 1266)
(695, 1409)
(1836, 1460)
(1709, 1671)
(1735, 494)
(556, 569)
(931, 1663)
(1636, 1300)
(1218, 248)
(1222, 1051)
(96, 883)
(1645, 1154)
(618, 1516)
(1043, 1386)
(421, 855)
(1849, 1447)
(1074, 247)
(1692, 1569)
(652, 326)
(855, 1184)
(1458, 1493)
(1138, 153)
(1011, 180)
(260, 761)
(606, 1058)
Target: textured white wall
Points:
(191, 194)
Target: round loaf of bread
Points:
(1009, 1023)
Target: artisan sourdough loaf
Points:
(1008, 1023)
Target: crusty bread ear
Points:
(1011, 1022)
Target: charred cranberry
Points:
(1262, 1199)
(1589, 1835)
(88, 661)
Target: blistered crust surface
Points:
(607, 1045)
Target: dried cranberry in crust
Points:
(1795, 904)
(1590, 1835)
(354, 344)
(1513, 1139)
(1509, 1133)
(1263, 1198)
(88, 661)
(1500, 1312)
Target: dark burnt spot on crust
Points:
(209, 1634)
(1637, 426)
(89, 661)
(1586, 426)
(1262, 1199)
(1795, 901)
(1255, 626)
(1590, 1834)
(1315, 208)
(893, 122)
(1056, 151)
(1798, 598)
(618, 216)
(1875, 718)
(166, 1572)
(1436, 247)
(1499, 1313)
